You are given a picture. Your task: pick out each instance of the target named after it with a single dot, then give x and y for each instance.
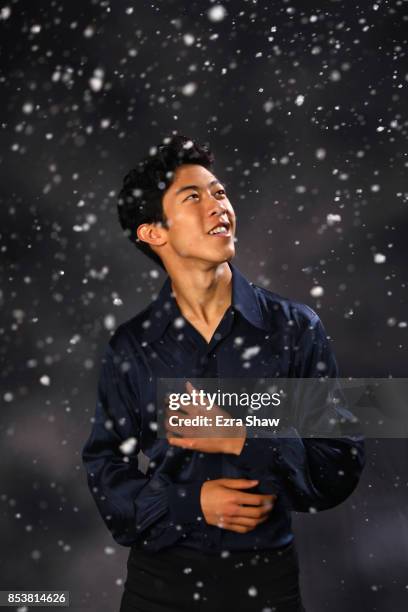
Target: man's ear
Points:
(152, 233)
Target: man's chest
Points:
(243, 354)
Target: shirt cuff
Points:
(184, 502)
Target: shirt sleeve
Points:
(135, 506)
(310, 474)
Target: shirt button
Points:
(278, 457)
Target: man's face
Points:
(195, 204)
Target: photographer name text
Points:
(221, 421)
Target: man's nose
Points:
(216, 207)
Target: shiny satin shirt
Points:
(150, 497)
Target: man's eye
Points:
(222, 191)
(191, 195)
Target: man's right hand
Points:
(225, 505)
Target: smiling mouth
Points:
(223, 229)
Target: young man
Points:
(207, 519)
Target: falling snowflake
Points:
(317, 291)
(189, 89)
(216, 13)
(109, 321)
(250, 352)
(97, 80)
(128, 446)
(379, 258)
(333, 219)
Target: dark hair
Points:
(140, 199)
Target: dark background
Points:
(86, 89)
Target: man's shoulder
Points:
(130, 333)
(292, 312)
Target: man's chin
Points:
(209, 257)
(220, 258)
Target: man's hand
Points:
(225, 506)
(206, 438)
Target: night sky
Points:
(305, 109)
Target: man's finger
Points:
(237, 483)
(254, 499)
(189, 387)
(204, 402)
(181, 442)
(246, 521)
(253, 511)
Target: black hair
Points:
(140, 199)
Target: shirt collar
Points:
(245, 299)
(164, 309)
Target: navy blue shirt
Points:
(147, 491)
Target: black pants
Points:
(178, 579)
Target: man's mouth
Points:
(221, 229)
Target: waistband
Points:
(185, 553)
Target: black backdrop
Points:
(305, 109)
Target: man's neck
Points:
(204, 293)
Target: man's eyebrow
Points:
(186, 187)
